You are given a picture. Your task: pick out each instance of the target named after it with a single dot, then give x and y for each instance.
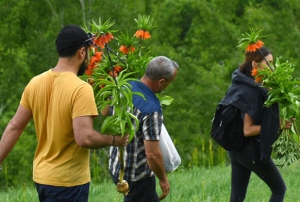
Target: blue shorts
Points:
(48, 193)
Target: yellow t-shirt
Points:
(55, 98)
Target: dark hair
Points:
(70, 39)
(257, 56)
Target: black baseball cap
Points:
(73, 36)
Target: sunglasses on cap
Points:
(90, 40)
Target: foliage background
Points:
(201, 35)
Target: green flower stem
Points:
(120, 148)
(295, 127)
(140, 47)
(121, 176)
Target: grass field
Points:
(187, 185)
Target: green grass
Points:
(187, 185)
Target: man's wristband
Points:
(114, 139)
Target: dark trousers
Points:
(140, 191)
(48, 193)
(242, 163)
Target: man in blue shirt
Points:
(143, 157)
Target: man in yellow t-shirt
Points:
(62, 107)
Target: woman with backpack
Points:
(261, 125)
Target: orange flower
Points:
(132, 49)
(98, 55)
(259, 43)
(126, 49)
(118, 69)
(142, 34)
(113, 75)
(88, 72)
(259, 79)
(109, 37)
(139, 33)
(103, 39)
(97, 41)
(254, 46)
(147, 35)
(251, 47)
(254, 72)
(95, 59)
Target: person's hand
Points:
(121, 141)
(288, 124)
(165, 188)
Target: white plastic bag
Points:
(171, 157)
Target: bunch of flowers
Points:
(110, 71)
(282, 89)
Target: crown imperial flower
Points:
(250, 41)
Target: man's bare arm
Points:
(14, 130)
(156, 163)
(86, 136)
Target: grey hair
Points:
(161, 67)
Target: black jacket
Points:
(249, 97)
